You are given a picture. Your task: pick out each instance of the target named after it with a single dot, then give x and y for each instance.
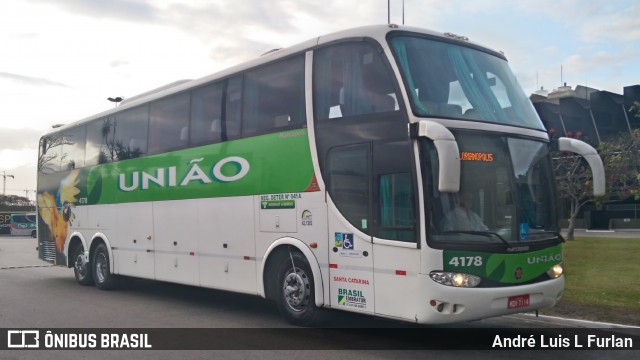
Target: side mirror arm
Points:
(448, 153)
(593, 159)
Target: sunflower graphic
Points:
(56, 212)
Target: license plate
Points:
(518, 301)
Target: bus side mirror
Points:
(593, 159)
(448, 153)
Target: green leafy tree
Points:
(621, 158)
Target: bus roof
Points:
(376, 32)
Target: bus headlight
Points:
(555, 271)
(455, 279)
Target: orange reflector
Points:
(313, 245)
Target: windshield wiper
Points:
(552, 232)
(488, 234)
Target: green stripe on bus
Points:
(271, 163)
(503, 268)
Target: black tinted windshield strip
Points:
(497, 54)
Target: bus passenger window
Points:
(168, 124)
(73, 148)
(233, 108)
(206, 112)
(50, 154)
(350, 80)
(274, 97)
(130, 138)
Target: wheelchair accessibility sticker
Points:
(344, 240)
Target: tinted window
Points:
(348, 169)
(73, 148)
(351, 79)
(447, 80)
(99, 147)
(130, 140)
(169, 124)
(396, 207)
(274, 97)
(206, 115)
(233, 107)
(50, 153)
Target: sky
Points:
(62, 59)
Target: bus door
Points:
(350, 250)
(396, 257)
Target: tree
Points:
(621, 158)
(574, 182)
(16, 203)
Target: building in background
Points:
(593, 116)
(589, 114)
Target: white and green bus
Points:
(384, 170)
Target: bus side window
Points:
(349, 80)
(233, 108)
(393, 193)
(167, 119)
(130, 139)
(73, 148)
(99, 143)
(50, 155)
(206, 115)
(349, 185)
(274, 97)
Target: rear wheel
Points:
(295, 294)
(81, 268)
(102, 276)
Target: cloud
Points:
(131, 10)
(118, 63)
(623, 24)
(30, 80)
(12, 159)
(592, 21)
(17, 139)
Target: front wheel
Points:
(295, 295)
(102, 276)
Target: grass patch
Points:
(602, 280)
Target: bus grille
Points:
(49, 251)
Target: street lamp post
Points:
(115, 100)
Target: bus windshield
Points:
(447, 80)
(506, 193)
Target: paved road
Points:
(36, 295)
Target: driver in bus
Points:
(461, 217)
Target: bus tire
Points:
(81, 269)
(295, 294)
(34, 234)
(102, 276)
